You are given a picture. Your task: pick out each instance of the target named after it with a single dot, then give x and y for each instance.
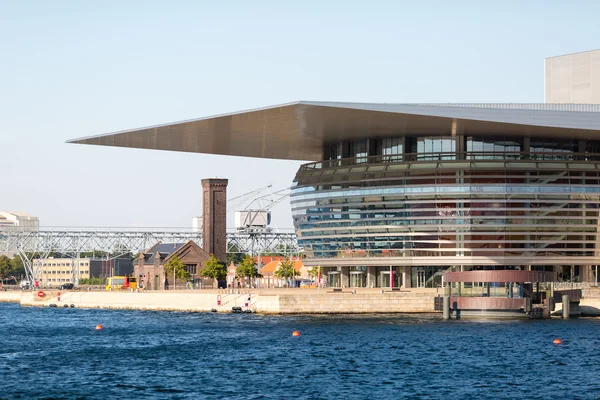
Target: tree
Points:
(11, 269)
(18, 269)
(280, 250)
(176, 268)
(94, 254)
(247, 269)
(234, 255)
(314, 272)
(286, 270)
(214, 269)
(5, 267)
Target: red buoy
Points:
(99, 327)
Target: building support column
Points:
(344, 276)
(371, 277)
(409, 277)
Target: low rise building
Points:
(150, 265)
(53, 272)
(101, 268)
(270, 279)
(231, 275)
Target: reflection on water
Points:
(57, 353)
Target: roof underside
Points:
(298, 131)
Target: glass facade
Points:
(391, 148)
(433, 148)
(507, 202)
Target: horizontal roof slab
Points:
(298, 131)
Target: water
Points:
(56, 353)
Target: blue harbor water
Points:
(57, 353)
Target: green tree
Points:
(280, 250)
(5, 267)
(94, 254)
(214, 269)
(93, 281)
(234, 255)
(247, 269)
(176, 268)
(314, 272)
(18, 269)
(286, 270)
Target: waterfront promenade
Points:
(274, 301)
(266, 301)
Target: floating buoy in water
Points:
(296, 333)
(557, 341)
(99, 327)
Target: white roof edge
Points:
(572, 54)
(573, 116)
(186, 121)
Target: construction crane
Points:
(255, 217)
(252, 210)
(233, 203)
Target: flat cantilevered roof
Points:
(299, 130)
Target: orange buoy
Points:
(296, 333)
(557, 341)
(99, 327)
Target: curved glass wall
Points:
(484, 203)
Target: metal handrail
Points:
(453, 156)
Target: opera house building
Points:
(394, 195)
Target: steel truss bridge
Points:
(70, 243)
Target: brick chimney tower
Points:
(214, 217)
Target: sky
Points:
(71, 69)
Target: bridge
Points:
(70, 242)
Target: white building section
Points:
(19, 221)
(16, 222)
(573, 78)
(196, 224)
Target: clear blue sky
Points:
(78, 68)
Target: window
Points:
(332, 152)
(434, 148)
(190, 269)
(391, 147)
(547, 146)
(477, 145)
(358, 150)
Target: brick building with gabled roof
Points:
(150, 265)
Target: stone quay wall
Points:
(10, 296)
(268, 302)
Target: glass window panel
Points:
(358, 149)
